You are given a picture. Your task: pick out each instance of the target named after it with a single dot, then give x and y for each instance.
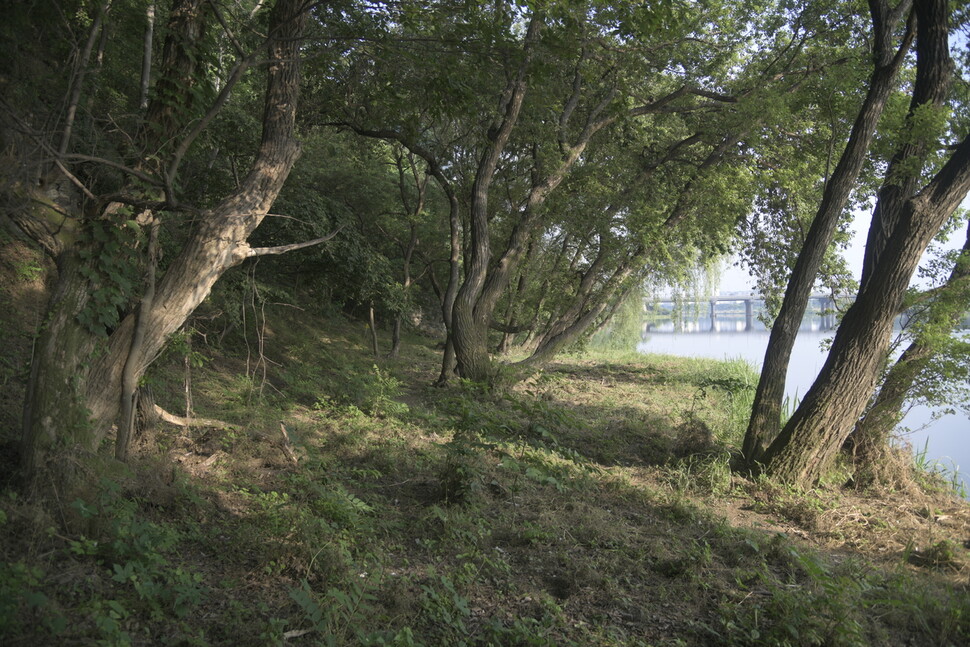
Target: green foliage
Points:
(340, 617)
(446, 611)
(374, 393)
(702, 474)
(829, 606)
(737, 380)
(624, 331)
(135, 551)
(520, 433)
(23, 607)
(27, 270)
(942, 555)
(110, 261)
(933, 473)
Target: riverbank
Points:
(936, 433)
(334, 498)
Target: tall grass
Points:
(934, 468)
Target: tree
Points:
(927, 369)
(904, 222)
(87, 200)
(537, 99)
(887, 60)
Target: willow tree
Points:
(529, 101)
(932, 368)
(892, 30)
(910, 210)
(100, 190)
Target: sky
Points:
(737, 279)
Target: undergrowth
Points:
(593, 504)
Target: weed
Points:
(135, 552)
(446, 611)
(375, 393)
(339, 616)
(28, 271)
(23, 606)
(379, 398)
(942, 555)
(702, 474)
(824, 611)
(463, 472)
(934, 475)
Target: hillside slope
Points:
(334, 498)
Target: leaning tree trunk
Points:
(813, 436)
(869, 440)
(827, 414)
(582, 314)
(76, 385)
(766, 409)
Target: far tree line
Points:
(517, 172)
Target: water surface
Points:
(947, 439)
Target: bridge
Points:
(824, 303)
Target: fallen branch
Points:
(179, 421)
(288, 445)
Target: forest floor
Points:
(344, 500)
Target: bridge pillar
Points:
(713, 315)
(827, 305)
(748, 314)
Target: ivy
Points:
(109, 254)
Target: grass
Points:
(592, 504)
(936, 474)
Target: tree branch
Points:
(183, 147)
(282, 249)
(180, 421)
(144, 177)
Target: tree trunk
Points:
(813, 436)
(406, 285)
(469, 321)
(56, 420)
(870, 438)
(766, 409)
(448, 361)
(146, 65)
(571, 326)
(130, 375)
(372, 324)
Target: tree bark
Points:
(129, 375)
(407, 250)
(448, 361)
(765, 418)
(830, 409)
(469, 321)
(811, 439)
(372, 324)
(146, 63)
(870, 438)
(81, 69)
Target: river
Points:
(945, 439)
